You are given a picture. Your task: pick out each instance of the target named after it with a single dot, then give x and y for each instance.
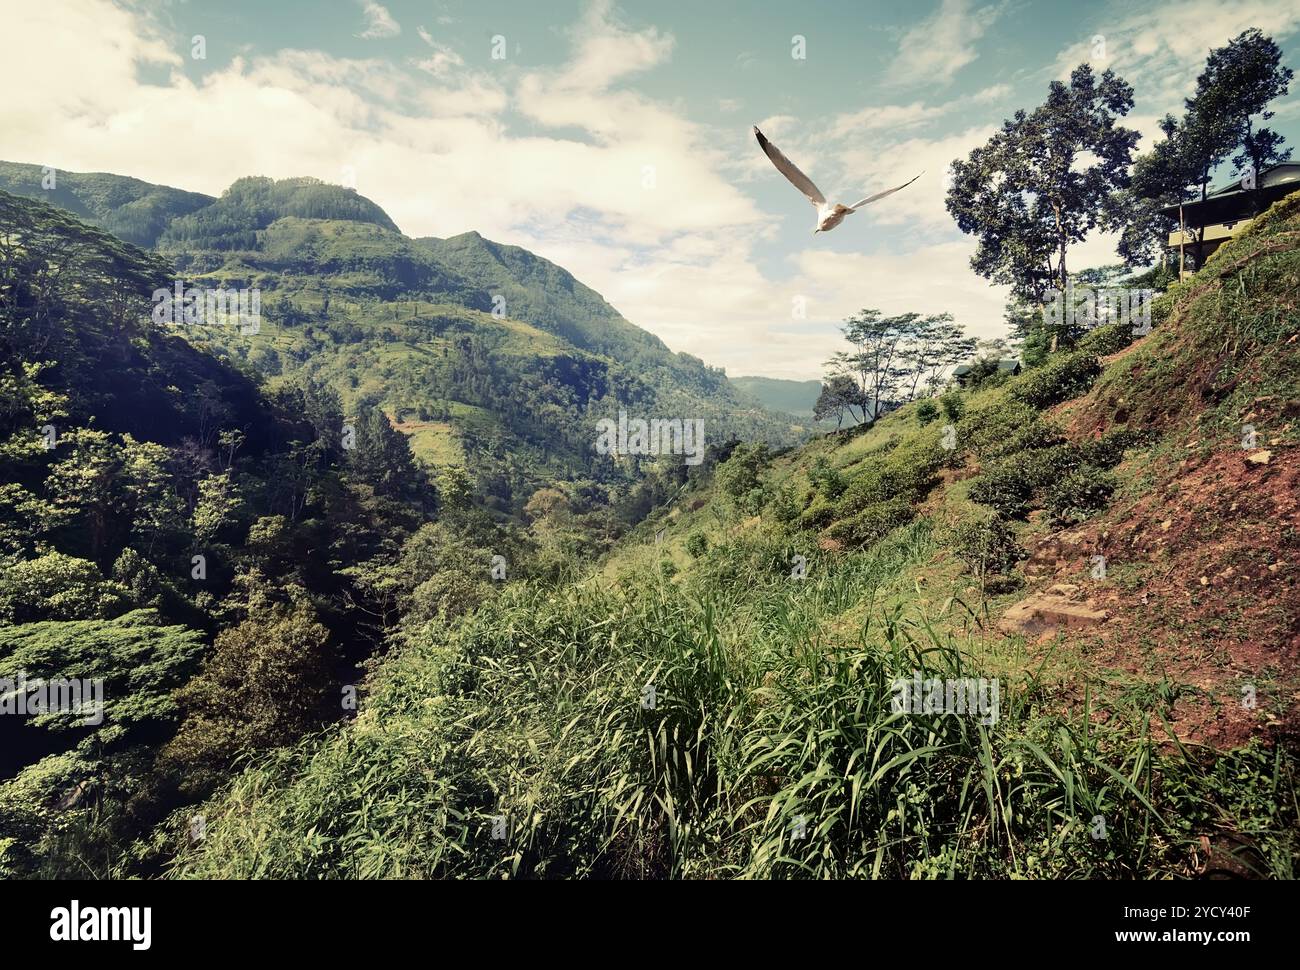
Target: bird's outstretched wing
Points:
(881, 195)
(790, 170)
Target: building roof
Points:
(1005, 365)
(1231, 202)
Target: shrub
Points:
(1079, 495)
(785, 506)
(1036, 434)
(1103, 341)
(1046, 466)
(1063, 377)
(57, 587)
(987, 546)
(817, 515)
(873, 523)
(740, 477)
(1004, 488)
(953, 405)
(986, 430)
(1108, 451)
(826, 479)
(927, 411)
(697, 544)
(265, 682)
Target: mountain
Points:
(491, 359)
(1045, 627)
(792, 397)
(214, 534)
(130, 209)
(233, 221)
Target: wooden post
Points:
(1182, 241)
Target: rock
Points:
(1260, 457)
(1065, 590)
(1044, 611)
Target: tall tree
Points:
(934, 344)
(1045, 181)
(840, 394)
(876, 359)
(1239, 82)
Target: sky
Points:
(615, 138)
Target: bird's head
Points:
(817, 230)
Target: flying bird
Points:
(828, 216)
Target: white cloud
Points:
(442, 61)
(934, 50)
(379, 22)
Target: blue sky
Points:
(613, 138)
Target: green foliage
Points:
(1035, 467)
(740, 477)
(266, 682)
(128, 208)
(697, 544)
(927, 411)
(1005, 488)
(872, 523)
(57, 587)
(680, 743)
(1027, 214)
(1105, 340)
(826, 479)
(987, 545)
(953, 405)
(1064, 376)
(252, 204)
(140, 660)
(986, 427)
(381, 458)
(1079, 495)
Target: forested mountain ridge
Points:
(129, 208)
(491, 358)
(792, 397)
(202, 548)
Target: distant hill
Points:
(793, 397)
(130, 209)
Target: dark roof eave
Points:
(1231, 206)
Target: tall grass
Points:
(770, 749)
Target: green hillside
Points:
(130, 209)
(204, 547)
(718, 697)
(792, 397)
(492, 359)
